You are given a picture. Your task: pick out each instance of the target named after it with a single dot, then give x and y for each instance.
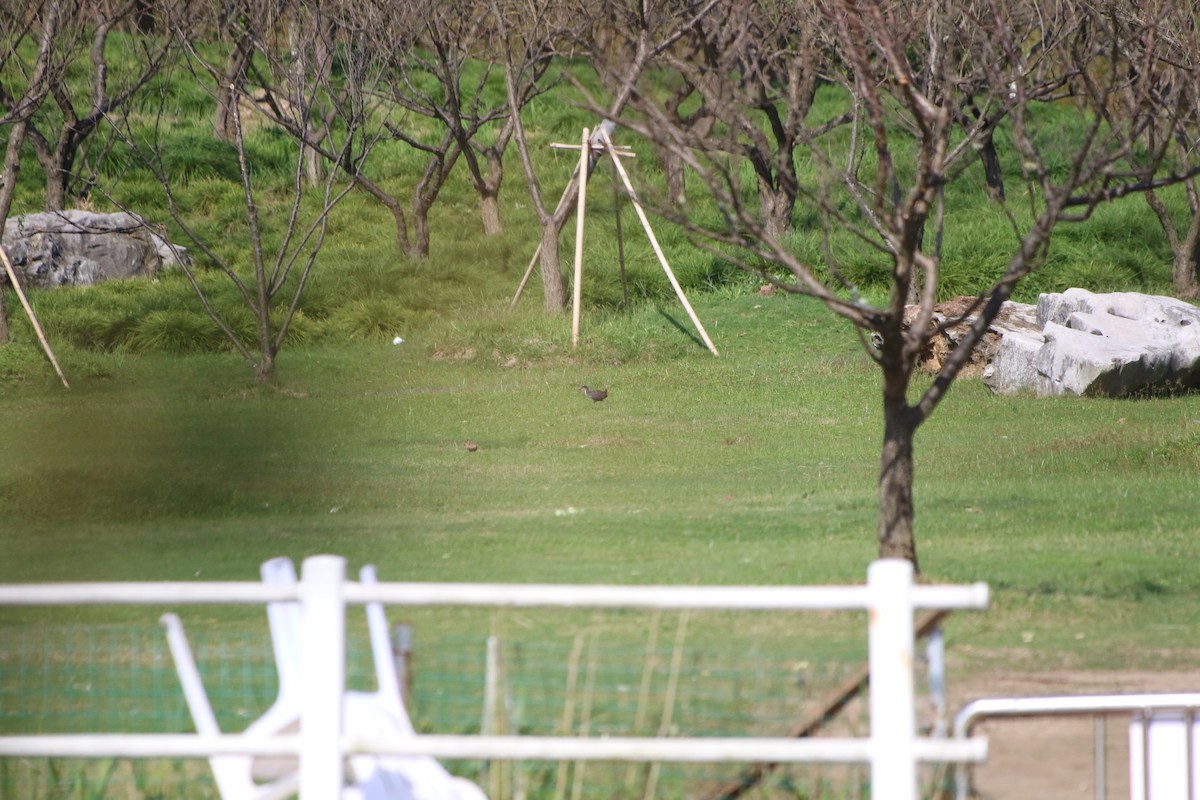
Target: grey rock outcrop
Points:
(79, 248)
(1100, 344)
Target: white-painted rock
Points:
(1100, 344)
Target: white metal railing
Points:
(1177, 778)
(890, 597)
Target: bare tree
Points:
(438, 79)
(1169, 37)
(906, 73)
(527, 35)
(20, 23)
(278, 277)
(58, 130)
(234, 24)
(623, 39)
(773, 50)
(447, 78)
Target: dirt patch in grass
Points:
(1055, 756)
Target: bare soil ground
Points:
(1055, 757)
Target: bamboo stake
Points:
(620, 242)
(585, 721)
(16, 284)
(662, 259)
(580, 208)
(668, 703)
(648, 667)
(525, 278)
(488, 725)
(825, 711)
(568, 717)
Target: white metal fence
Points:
(890, 597)
(1164, 749)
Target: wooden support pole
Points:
(620, 241)
(37, 328)
(662, 259)
(580, 208)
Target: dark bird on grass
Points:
(470, 446)
(596, 395)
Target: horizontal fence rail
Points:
(890, 597)
(498, 595)
(526, 748)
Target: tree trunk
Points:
(993, 174)
(489, 210)
(265, 369)
(492, 180)
(56, 189)
(401, 221)
(777, 207)
(52, 170)
(1185, 274)
(229, 91)
(8, 187)
(896, 536)
(676, 179)
(1185, 250)
(553, 293)
(419, 247)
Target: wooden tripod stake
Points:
(662, 259)
(37, 328)
(581, 206)
(605, 142)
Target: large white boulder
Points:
(1100, 344)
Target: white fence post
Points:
(323, 610)
(892, 700)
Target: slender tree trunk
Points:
(419, 247)
(489, 210)
(52, 168)
(265, 369)
(993, 173)
(1185, 250)
(553, 293)
(8, 187)
(229, 91)
(492, 179)
(1185, 273)
(777, 207)
(896, 536)
(676, 179)
(57, 177)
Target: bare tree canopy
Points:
(57, 112)
(922, 91)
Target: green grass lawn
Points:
(757, 467)
(167, 460)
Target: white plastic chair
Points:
(366, 714)
(234, 774)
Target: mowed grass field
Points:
(757, 467)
